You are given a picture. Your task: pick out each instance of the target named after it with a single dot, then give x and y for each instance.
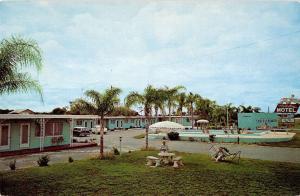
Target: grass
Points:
(139, 136)
(295, 143)
(128, 175)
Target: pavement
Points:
(112, 139)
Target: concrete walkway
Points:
(129, 143)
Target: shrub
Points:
(12, 165)
(71, 160)
(115, 151)
(43, 161)
(191, 139)
(212, 138)
(173, 135)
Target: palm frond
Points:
(95, 96)
(16, 51)
(20, 82)
(134, 98)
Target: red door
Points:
(4, 135)
(24, 136)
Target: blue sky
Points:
(243, 52)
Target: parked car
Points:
(96, 129)
(81, 132)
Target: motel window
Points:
(187, 120)
(54, 129)
(37, 130)
(132, 121)
(4, 135)
(143, 120)
(112, 121)
(79, 122)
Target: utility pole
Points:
(227, 117)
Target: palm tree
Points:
(100, 104)
(15, 54)
(181, 100)
(171, 95)
(158, 102)
(191, 100)
(147, 100)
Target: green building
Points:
(257, 120)
(26, 133)
(34, 132)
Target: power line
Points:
(251, 43)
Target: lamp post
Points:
(120, 145)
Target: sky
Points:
(240, 52)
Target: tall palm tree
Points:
(181, 100)
(100, 104)
(171, 95)
(191, 100)
(147, 100)
(16, 54)
(158, 102)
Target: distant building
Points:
(257, 120)
(22, 111)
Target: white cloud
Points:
(203, 45)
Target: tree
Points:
(158, 101)
(123, 111)
(147, 100)
(181, 100)
(100, 104)
(59, 111)
(16, 54)
(191, 99)
(171, 96)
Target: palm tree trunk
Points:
(156, 114)
(181, 116)
(169, 112)
(101, 137)
(192, 116)
(147, 132)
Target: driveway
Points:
(112, 139)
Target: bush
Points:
(173, 135)
(12, 165)
(191, 139)
(43, 161)
(212, 138)
(71, 160)
(115, 151)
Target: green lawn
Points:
(128, 175)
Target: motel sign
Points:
(288, 105)
(287, 108)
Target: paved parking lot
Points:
(129, 143)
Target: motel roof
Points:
(47, 116)
(40, 116)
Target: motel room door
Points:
(24, 135)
